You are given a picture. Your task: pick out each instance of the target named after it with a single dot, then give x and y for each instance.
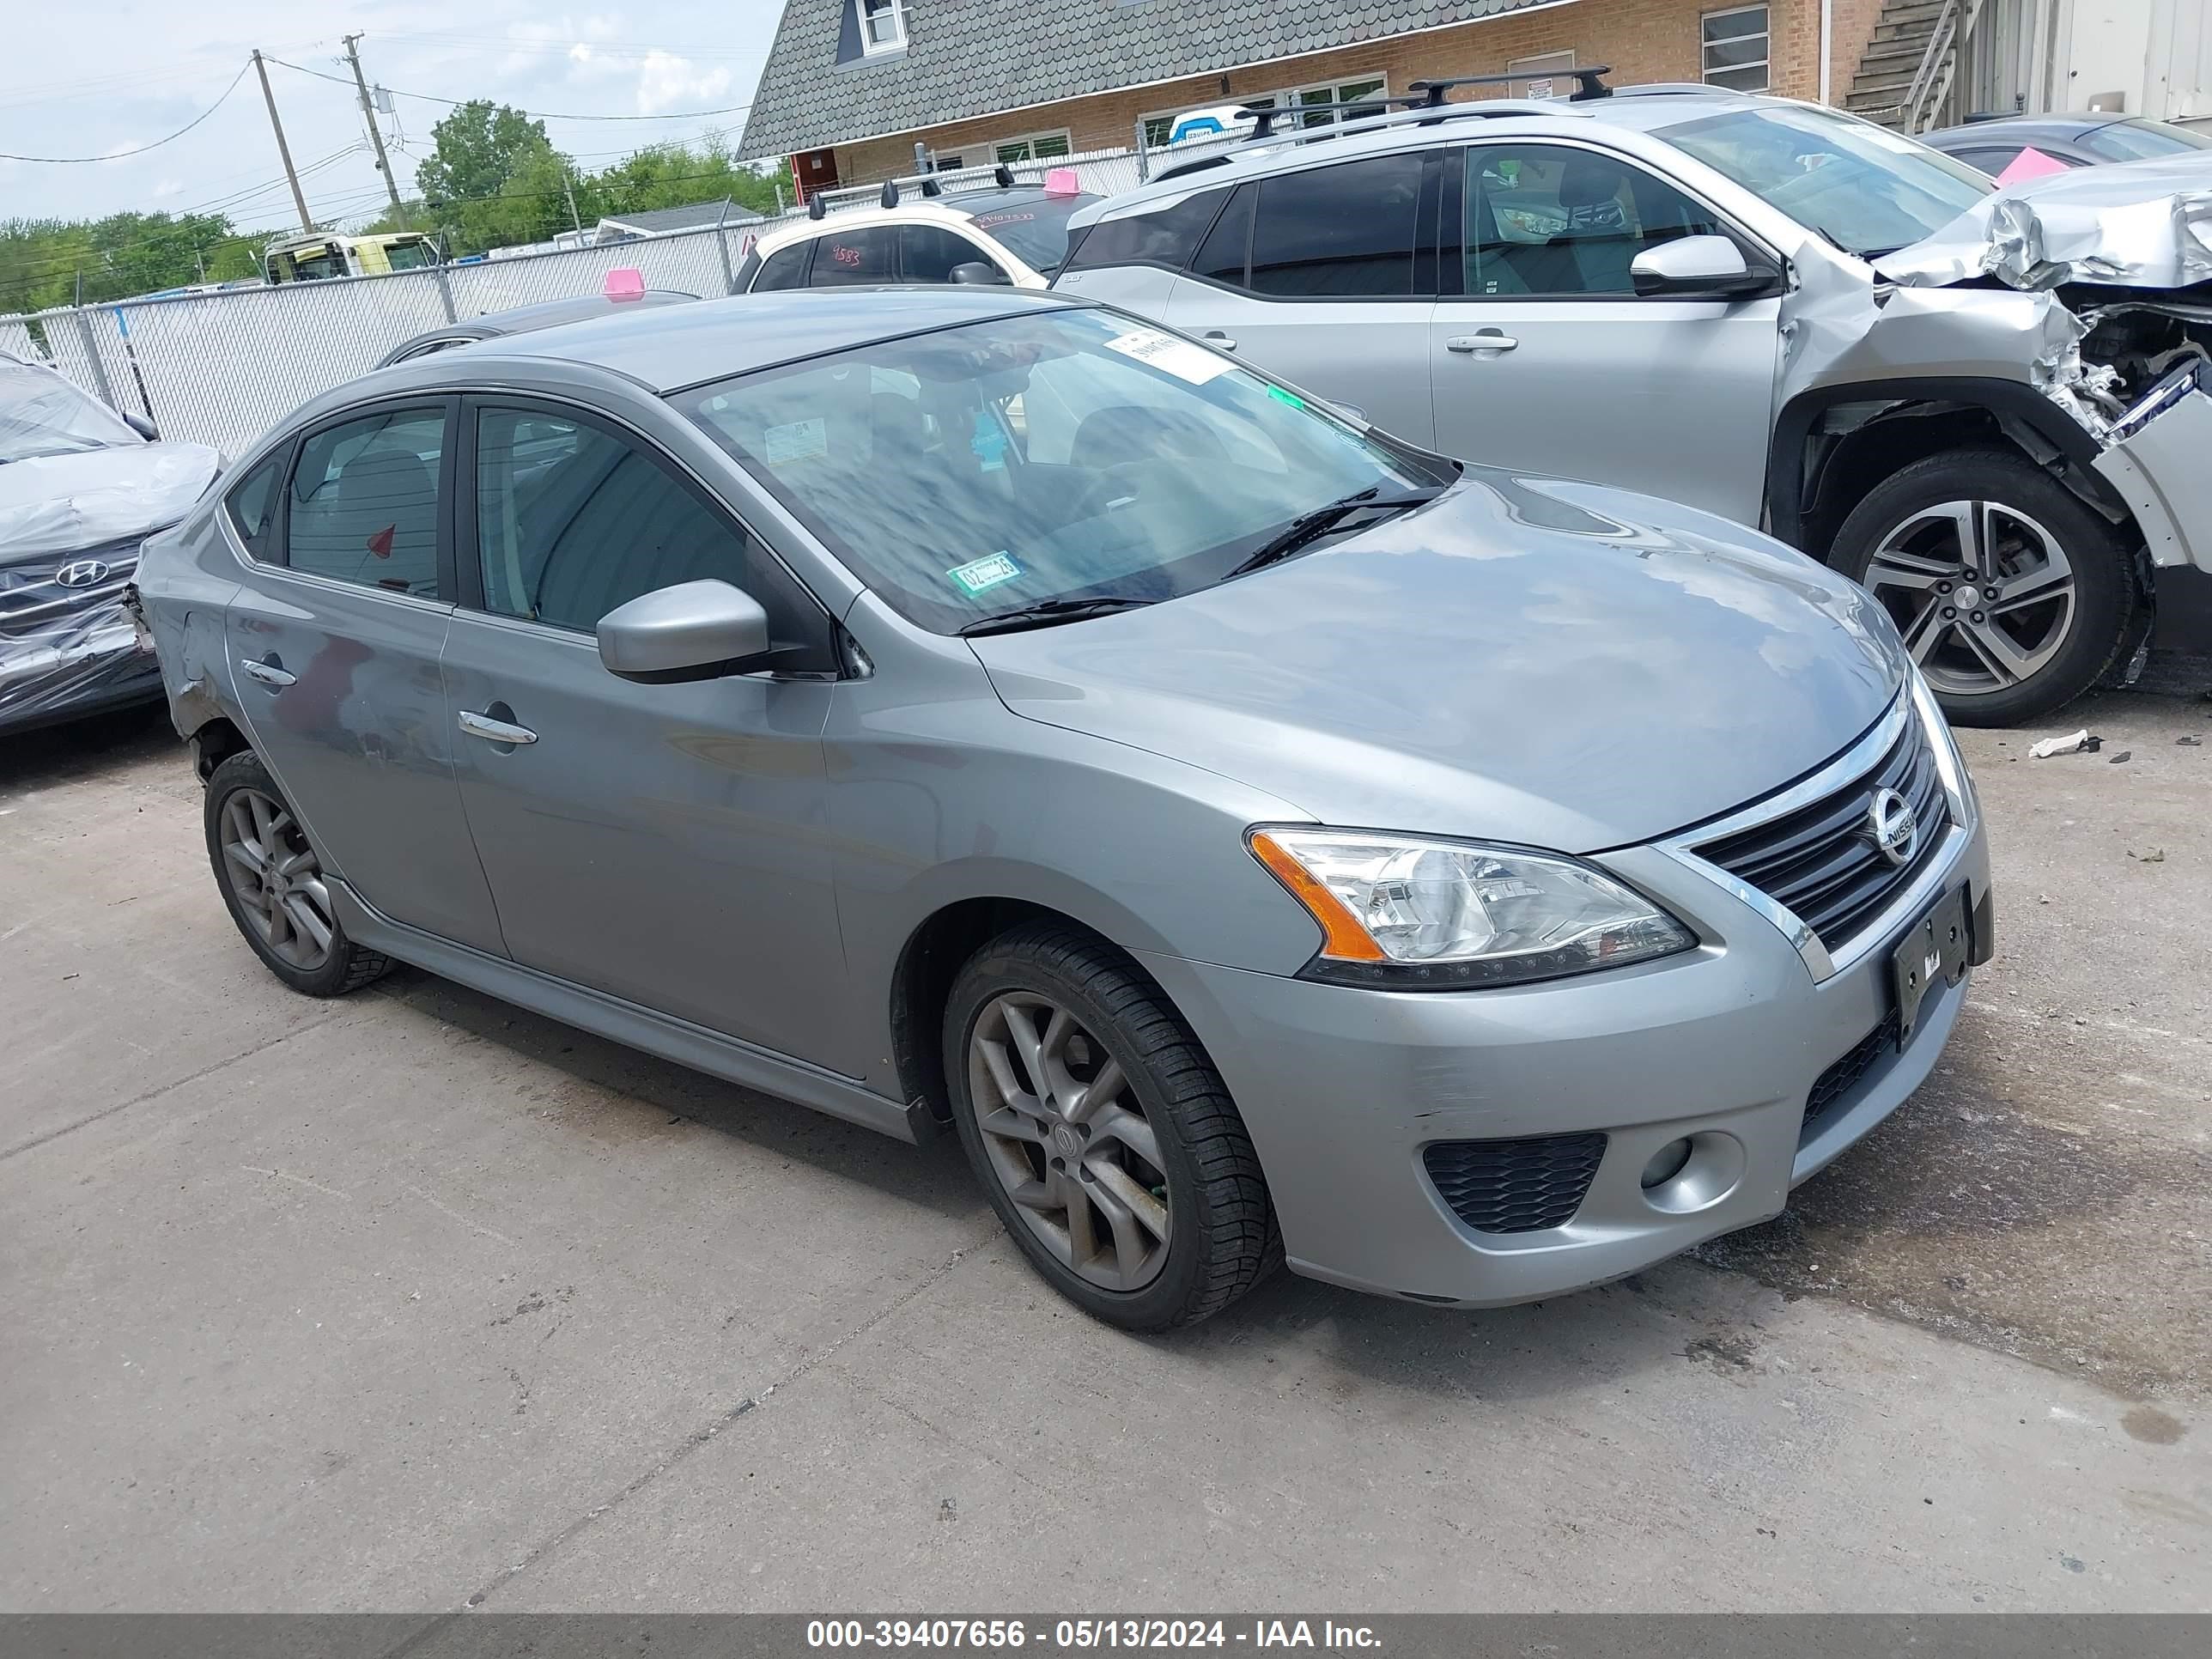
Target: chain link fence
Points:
(221, 368)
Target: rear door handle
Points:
(1214, 337)
(1483, 340)
(267, 673)
(492, 731)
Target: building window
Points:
(1160, 127)
(1540, 77)
(1033, 147)
(1735, 44)
(883, 24)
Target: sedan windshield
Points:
(1866, 189)
(2139, 141)
(42, 414)
(1068, 455)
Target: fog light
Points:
(1666, 1164)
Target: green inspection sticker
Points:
(980, 575)
(1283, 397)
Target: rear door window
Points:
(1220, 257)
(364, 502)
(784, 268)
(866, 254)
(1341, 232)
(253, 502)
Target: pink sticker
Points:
(625, 283)
(1062, 181)
(2030, 163)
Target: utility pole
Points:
(376, 138)
(283, 150)
(569, 189)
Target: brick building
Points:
(851, 86)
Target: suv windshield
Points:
(1864, 187)
(42, 414)
(1065, 455)
(1036, 233)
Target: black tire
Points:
(2105, 597)
(1222, 1238)
(345, 966)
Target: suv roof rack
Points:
(1427, 109)
(930, 183)
(1664, 90)
(1586, 84)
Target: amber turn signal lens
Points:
(1342, 936)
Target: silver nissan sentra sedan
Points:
(1258, 839)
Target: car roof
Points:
(2019, 128)
(959, 208)
(1646, 108)
(675, 346)
(574, 308)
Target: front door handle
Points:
(1483, 340)
(267, 673)
(1216, 338)
(492, 731)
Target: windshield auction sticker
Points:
(800, 441)
(1179, 358)
(980, 575)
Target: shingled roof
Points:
(969, 57)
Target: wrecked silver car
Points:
(1984, 405)
(80, 490)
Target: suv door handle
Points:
(267, 673)
(1214, 337)
(1483, 340)
(492, 731)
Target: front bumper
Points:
(2154, 459)
(66, 650)
(1342, 1090)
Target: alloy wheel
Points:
(1067, 1138)
(276, 879)
(1983, 594)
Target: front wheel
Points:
(1105, 1139)
(2012, 594)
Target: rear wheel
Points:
(272, 881)
(2013, 595)
(1105, 1139)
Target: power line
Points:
(540, 114)
(120, 155)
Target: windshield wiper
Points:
(1311, 526)
(1045, 612)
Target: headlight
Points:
(1413, 913)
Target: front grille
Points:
(1515, 1186)
(1820, 860)
(1840, 1078)
(32, 604)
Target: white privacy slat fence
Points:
(221, 368)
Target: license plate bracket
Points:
(1934, 950)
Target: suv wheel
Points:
(1106, 1139)
(2012, 594)
(272, 880)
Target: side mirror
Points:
(980, 273)
(144, 426)
(693, 631)
(1697, 268)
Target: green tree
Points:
(478, 150)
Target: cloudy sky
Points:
(98, 76)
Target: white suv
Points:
(1016, 236)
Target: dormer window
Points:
(883, 24)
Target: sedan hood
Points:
(1526, 659)
(58, 503)
(2140, 224)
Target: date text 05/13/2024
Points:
(1079, 1634)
